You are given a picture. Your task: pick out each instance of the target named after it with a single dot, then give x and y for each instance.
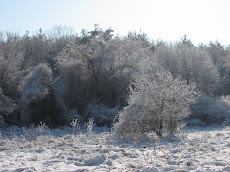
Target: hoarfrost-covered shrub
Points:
(101, 114)
(158, 102)
(210, 110)
(38, 100)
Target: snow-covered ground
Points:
(40, 149)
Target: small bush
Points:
(101, 114)
(211, 111)
(73, 115)
(7, 106)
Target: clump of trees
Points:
(192, 64)
(59, 75)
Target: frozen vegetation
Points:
(99, 102)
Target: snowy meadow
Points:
(42, 149)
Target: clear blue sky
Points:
(201, 20)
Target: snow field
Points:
(42, 149)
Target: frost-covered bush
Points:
(211, 111)
(38, 100)
(158, 102)
(101, 114)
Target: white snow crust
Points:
(193, 149)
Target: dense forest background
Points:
(59, 76)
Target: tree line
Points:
(58, 76)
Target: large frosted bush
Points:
(38, 100)
(158, 103)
